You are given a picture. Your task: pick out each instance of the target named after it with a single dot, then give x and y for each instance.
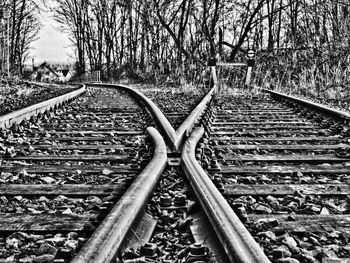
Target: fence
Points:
(93, 76)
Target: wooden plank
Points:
(257, 113)
(286, 158)
(85, 138)
(264, 127)
(84, 132)
(307, 223)
(278, 139)
(264, 133)
(255, 118)
(76, 147)
(251, 123)
(311, 147)
(70, 190)
(58, 122)
(175, 114)
(254, 110)
(284, 170)
(287, 189)
(121, 110)
(85, 169)
(93, 130)
(93, 119)
(11, 222)
(77, 158)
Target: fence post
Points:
(250, 63)
(212, 64)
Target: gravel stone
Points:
(47, 258)
(262, 209)
(310, 259)
(71, 244)
(48, 180)
(94, 200)
(46, 248)
(291, 243)
(269, 234)
(281, 252)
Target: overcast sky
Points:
(52, 46)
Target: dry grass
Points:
(322, 76)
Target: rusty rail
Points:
(103, 245)
(188, 124)
(239, 245)
(316, 106)
(19, 115)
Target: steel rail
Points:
(19, 115)
(317, 106)
(239, 245)
(162, 121)
(188, 124)
(103, 245)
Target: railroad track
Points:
(83, 183)
(283, 166)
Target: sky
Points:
(52, 45)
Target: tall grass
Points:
(322, 76)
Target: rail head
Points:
(316, 106)
(19, 115)
(105, 242)
(239, 245)
(161, 120)
(189, 123)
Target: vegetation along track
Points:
(64, 169)
(82, 203)
(283, 165)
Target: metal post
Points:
(250, 63)
(8, 41)
(3, 64)
(212, 64)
